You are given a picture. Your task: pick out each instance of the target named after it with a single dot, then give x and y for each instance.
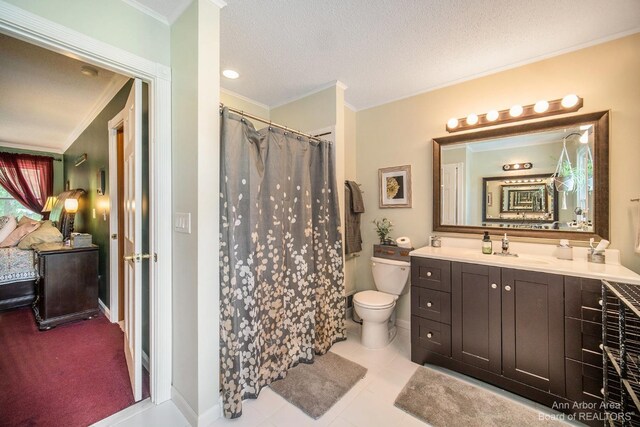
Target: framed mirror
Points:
(547, 179)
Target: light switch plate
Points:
(182, 222)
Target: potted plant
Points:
(565, 180)
(383, 229)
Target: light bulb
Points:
(231, 74)
(472, 119)
(516, 111)
(492, 115)
(569, 101)
(541, 106)
(452, 123)
(516, 166)
(584, 138)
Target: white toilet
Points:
(376, 308)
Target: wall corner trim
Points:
(105, 310)
(208, 417)
(219, 3)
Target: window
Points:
(10, 206)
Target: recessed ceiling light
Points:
(230, 74)
(89, 71)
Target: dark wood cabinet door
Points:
(533, 329)
(476, 315)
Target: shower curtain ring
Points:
(242, 116)
(270, 122)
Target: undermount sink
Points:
(520, 259)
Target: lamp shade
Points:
(48, 206)
(71, 205)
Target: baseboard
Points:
(145, 361)
(403, 324)
(206, 419)
(104, 309)
(125, 414)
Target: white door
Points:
(132, 199)
(452, 193)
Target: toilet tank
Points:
(390, 276)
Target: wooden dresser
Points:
(67, 284)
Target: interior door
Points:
(132, 200)
(452, 191)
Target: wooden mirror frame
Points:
(600, 122)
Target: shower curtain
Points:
(281, 280)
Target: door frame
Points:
(36, 30)
(114, 297)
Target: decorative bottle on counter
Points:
(487, 245)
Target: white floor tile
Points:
(251, 416)
(368, 410)
(163, 415)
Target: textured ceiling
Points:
(44, 97)
(385, 50)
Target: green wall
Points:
(58, 167)
(95, 142)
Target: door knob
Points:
(507, 288)
(429, 335)
(494, 286)
(129, 257)
(114, 236)
(428, 274)
(429, 304)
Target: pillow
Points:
(7, 225)
(17, 234)
(46, 233)
(26, 220)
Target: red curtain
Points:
(28, 178)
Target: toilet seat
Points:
(374, 300)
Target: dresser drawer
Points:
(430, 304)
(431, 273)
(581, 293)
(430, 335)
(584, 382)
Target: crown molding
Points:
(507, 67)
(350, 107)
(30, 147)
(334, 83)
(219, 3)
(117, 82)
(244, 98)
(147, 11)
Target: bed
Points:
(18, 273)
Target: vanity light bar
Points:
(517, 166)
(568, 104)
(523, 181)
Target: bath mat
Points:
(443, 401)
(316, 387)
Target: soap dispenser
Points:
(487, 245)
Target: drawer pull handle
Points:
(429, 334)
(602, 391)
(507, 288)
(494, 286)
(428, 274)
(601, 347)
(429, 304)
(600, 302)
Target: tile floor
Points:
(368, 404)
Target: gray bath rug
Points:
(443, 401)
(316, 387)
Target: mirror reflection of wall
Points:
(469, 199)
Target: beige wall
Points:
(196, 142)
(241, 103)
(400, 133)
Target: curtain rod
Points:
(29, 154)
(275, 125)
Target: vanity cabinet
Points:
(532, 333)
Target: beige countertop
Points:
(538, 262)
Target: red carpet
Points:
(71, 375)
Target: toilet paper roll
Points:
(403, 242)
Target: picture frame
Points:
(395, 187)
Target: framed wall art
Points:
(395, 186)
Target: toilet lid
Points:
(374, 299)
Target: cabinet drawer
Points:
(582, 335)
(430, 304)
(431, 273)
(584, 382)
(581, 293)
(430, 335)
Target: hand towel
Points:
(357, 204)
(352, 235)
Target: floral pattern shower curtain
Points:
(281, 279)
